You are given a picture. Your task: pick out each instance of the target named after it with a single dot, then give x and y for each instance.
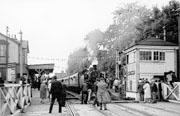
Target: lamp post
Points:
(21, 55)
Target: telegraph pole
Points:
(178, 15)
(117, 64)
(7, 30)
(21, 55)
(164, 33)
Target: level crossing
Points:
(126, 108)
(29, 101)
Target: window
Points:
(2, 50)
(162, 56)
(156, 55)
(127, 59)
(159, 56)
(130, 88)
(145, 55)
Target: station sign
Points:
(11, 74)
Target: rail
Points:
(171, 94)
(71, 111)
(14, 98)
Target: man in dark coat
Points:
(141, 90)
(160, 97)
(56, 91)
(1, 82)
(63, 93)
(153, 91)
(84, 91)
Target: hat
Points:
(54, 77)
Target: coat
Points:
(56, 89)
(140, 88)
(43, 91)
(147, 90)
(102, 93)
(154, 87)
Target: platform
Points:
(114, 109)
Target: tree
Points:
(93, 40)
(159, 19)
(118, 35)
(123, 32)
(78, 60)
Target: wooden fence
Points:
(14, 98)
(171, 94)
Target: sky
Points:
(54, 28)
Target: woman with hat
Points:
(103, 96)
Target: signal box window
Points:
(145, 55)
(159, 56)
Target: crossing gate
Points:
(171, 94)
(14, 98)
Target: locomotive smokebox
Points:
(95, 67)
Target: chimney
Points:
(164, 33)
(15, 37)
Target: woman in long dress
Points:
(43, 91)
(103, 96)
(147, 92)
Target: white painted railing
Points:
(171, 94)
(14, 98)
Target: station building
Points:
(10, 58)
(148, 59)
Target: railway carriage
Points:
(74, 81)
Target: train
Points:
(74, 82)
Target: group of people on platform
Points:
(36, 82)
(96, 88)
(53, 90)
(99, 93)
(152, 91)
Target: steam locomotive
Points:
(74, 82)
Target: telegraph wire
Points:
(65, 59)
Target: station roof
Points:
(43, 67)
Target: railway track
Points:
(71, 111)
(150, 109)
(117, 109)
(138, 110)
(133, 111)
(162, 109)
(129, 109)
